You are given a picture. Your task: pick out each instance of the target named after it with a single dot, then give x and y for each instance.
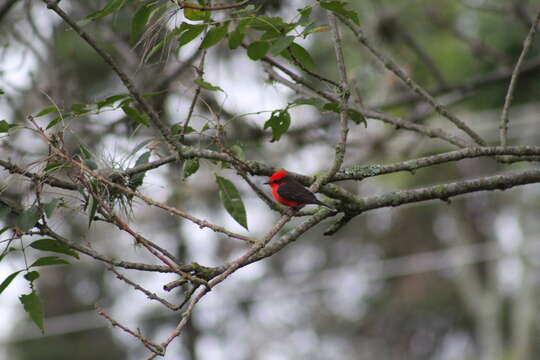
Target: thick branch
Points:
(362, 172)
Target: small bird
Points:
(290, 192)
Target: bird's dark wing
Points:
(294, 191)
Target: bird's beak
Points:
(267, 183)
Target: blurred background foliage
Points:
(424, 281)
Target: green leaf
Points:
(141, 18)
(28, 218)
(314, 28)
(357, 117)
(136, 115)
(49, 260)
(4, 211)
(195, 14)
(207, 85)
(338, 7)
(318, 103)
(270, 24)
(54, 166)
(5, 126)
(302, 56)
(279, 121)
(111, 100)
(281, 44)
(235, 39)
(3, 230)
(190, 167)
(238, 152)
(333, 107)
(191, 33)
(87, 158)
(47, 110)
(305, 14)
(31, 275)
(50, 206)
(54, 246)
(80, 109)
(138, 178)
(57, 120)
(140, 146)
(33, 306)
(232, 200)
(258, 50)
(214, 36)
(93, 209)
(8, 281)
(111, 7)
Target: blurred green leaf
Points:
(49, 260)
(58, 120)
(281, 44)
(111, 100)
(50, 207)
(190, 167)
(136, 115)
(93, 209)
(47, 110)
(138, 178)
(230, 196)
(31, 275)
(338, 7)
(54, 246)
(316, 102)
(33, 306)
(141, 18)
(195, 14)
(191, 32)
(214, 36)
(279, 121)
(302, 56)
(313, 28)
(207, 85)
(235, 39)
(5, 126)
(8, 281)
(258, 49)
(305, 14)
(238, 152)
(111, 7)
(28, 218)
(357, 117)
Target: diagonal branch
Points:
(503, 130)
(396, 70)
(128, 83)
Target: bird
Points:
(290, 192)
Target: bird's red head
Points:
(278, 175)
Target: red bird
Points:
(290, 192)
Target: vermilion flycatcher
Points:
(290, 192)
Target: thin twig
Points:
(147, 200)
(395, 69)
(128, 83)
(154, 348)
(200, 73)
(149, 294)
(513, 81)
(232, 267)
(344, 94)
